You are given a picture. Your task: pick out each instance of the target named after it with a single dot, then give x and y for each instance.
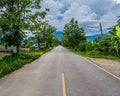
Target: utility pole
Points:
(101, 30)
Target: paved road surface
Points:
(60, 73)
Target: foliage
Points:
(48, 35)
(44, 35)
(118, 31)
(106, 46)
(89, 46)
(95, 54)
(55, 41)
(109, 44)
(73, 35)
(11, 63)
(16, 18)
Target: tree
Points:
(37, 25)
(73, 35)
(55, 41)
(48, 35)
(15, 19)
(43, 33)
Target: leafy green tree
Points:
(55, 41)
(43, 33)
(37, 32)
(89, 46)
(65, 41)
(37, 25)
(48, 35)
(73, 35)
(28, 42)
(15, 19)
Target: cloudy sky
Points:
(87, 12)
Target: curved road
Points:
(60, 73)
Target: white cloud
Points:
(81, 13)
(55, 11)
(118, 1)
(54, 6)
(111, 17)
(85, 11)
(102, 5)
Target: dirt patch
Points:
(110, 65)
(2, 54)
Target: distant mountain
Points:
(58, 34)
(90, 38)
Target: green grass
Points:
(95, 54)
(11, 63)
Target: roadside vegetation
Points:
(25, 33)
(106, 46)
(20, 27)
(94, 54)
(11, 62)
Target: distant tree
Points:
(73, 35)
(37, 25)
(43, 33)
(28, 42)
(48, 35)
(55, 41)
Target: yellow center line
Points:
(63, 85)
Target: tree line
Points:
(108, 44)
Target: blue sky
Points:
(87, 12)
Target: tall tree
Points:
(73, 35)
(43, 32)
(48, 35)
(15, 19)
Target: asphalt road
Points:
(60, 73)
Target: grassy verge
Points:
(95, 54)
(10, 63)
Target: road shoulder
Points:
(109, 65)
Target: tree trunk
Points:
(17, 49)
(38, 40)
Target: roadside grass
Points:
(95, 54)
(11, 63)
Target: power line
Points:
(100, 27)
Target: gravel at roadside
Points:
(110, 65)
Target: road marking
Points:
(101, 68)
(107, 71)
(63, 85)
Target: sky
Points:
(87, 12)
